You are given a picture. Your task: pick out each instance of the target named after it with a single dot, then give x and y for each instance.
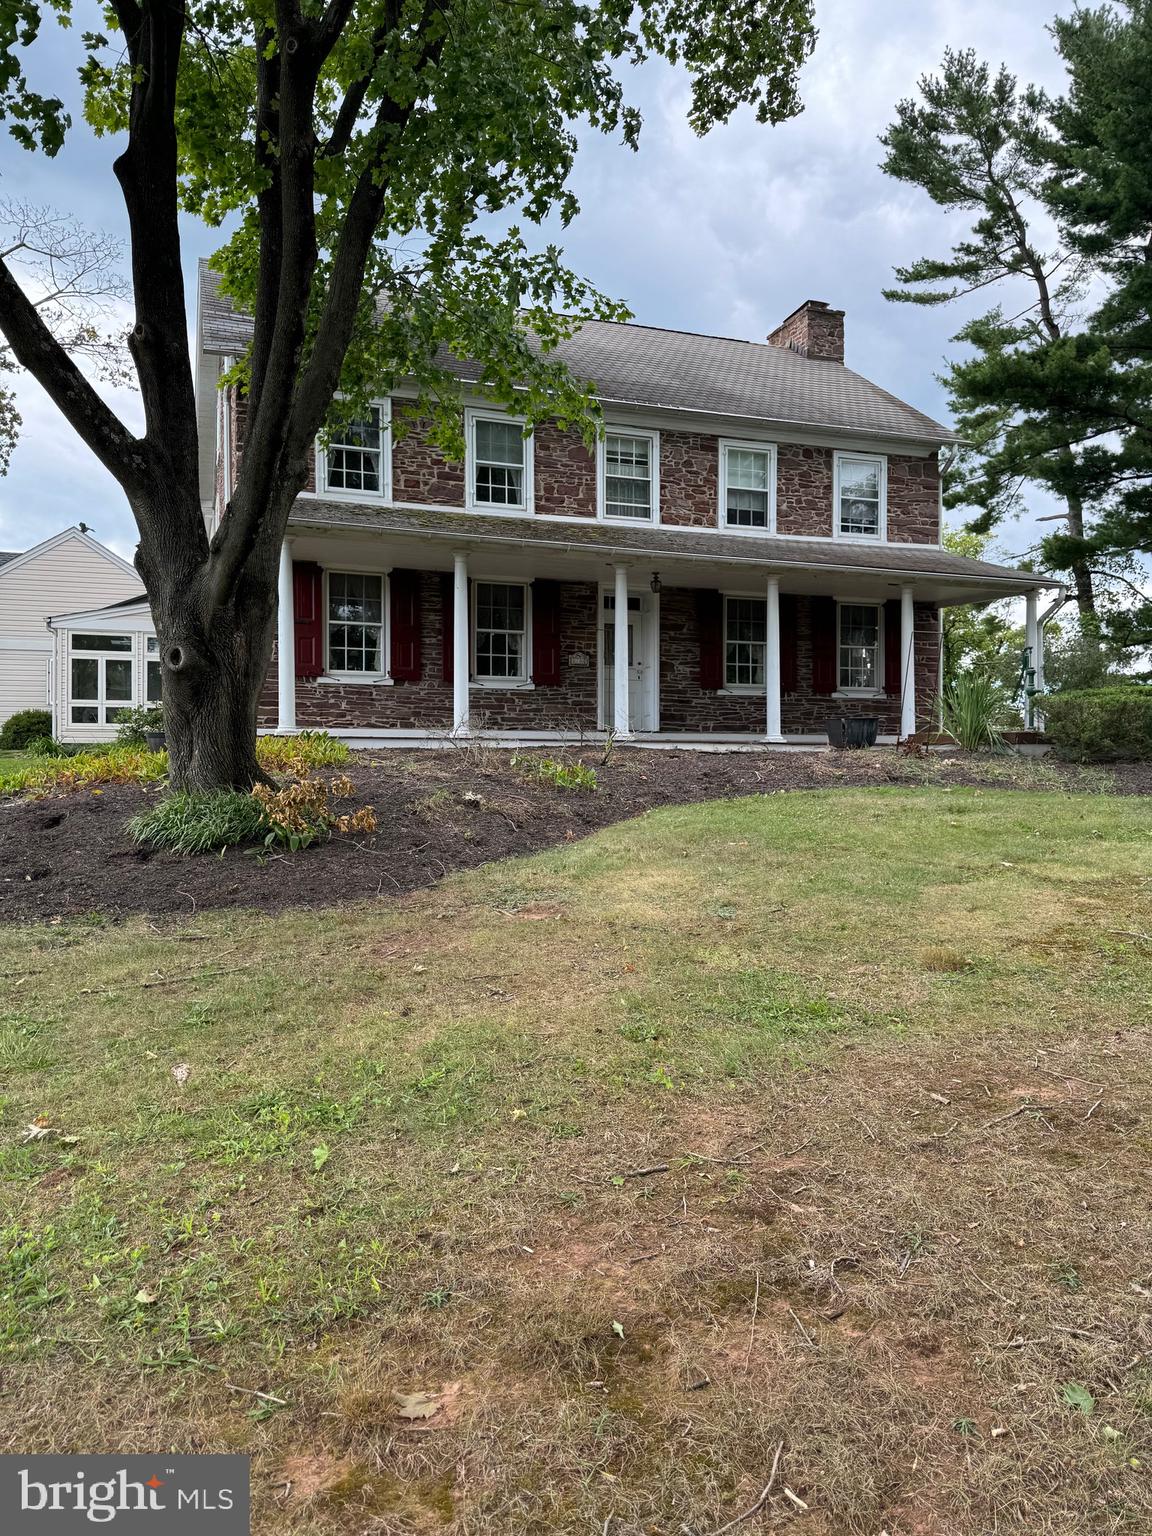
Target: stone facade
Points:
(564, 473)
(689, 479)
(913, 499)
(571, 706)
(804, 490)
(422, 473)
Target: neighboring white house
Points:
(105, 660)
(70, 571)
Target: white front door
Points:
(641, 660)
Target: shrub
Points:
(198, 823)
(1101, 724)
(25, 726)
(292, 817)
(974, 710)
(562, 775)
(300, 754)
(133, 724)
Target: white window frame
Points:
(619, 429)
(742, 597)
(384, 494)
(877, 692)
(746, 446)
(525, 680)
(881, 461)
(151, 659)
(383, 675)
(471, 417)
(101, 703)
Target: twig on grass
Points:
(642, 1173)
(760, 1502)
(752, 1330)
(1092, 1111)
(265, 1397)
(805, 1335)
(1011, 1114)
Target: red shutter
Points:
(822, 612)
(892, 647)
(546, 634)
(446, 606)
(307, 600)
(404, 591)
(710, 623)
(788, 678)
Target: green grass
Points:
(377, 1095)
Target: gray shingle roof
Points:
(640, 365)
(8, 554)
(611, 541)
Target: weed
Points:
(563, 775)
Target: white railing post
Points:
(461, 648)
(772, 663)
(285, 644)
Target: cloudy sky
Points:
(723, 235)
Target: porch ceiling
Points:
(586, 551)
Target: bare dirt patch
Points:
(437, 811)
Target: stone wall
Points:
(913, 499)
(804, 490)
(684, 705)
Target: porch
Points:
(402, 629)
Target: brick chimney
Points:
(813, 330)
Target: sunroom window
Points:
(497, 463)
(860, 497)
(859, 646)
(628, 476)
(354, 458)
(100, 678)
(501, 648)
(745, 638)
(355, 622)
(747, 486)
(152, 671)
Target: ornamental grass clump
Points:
(290, 816)
(299, 755)
(974, 710)
(93, 768)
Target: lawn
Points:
(557, 1197)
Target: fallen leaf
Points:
(417, 1405)
(618, 1329)
(1077, 1396)
(146, 1297)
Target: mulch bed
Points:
(70, 855)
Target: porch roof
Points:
(693, 553)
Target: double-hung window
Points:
(499, 463)
(747, 485)
(745, 639)
(859, 646)
(861, 492)
(356, 459)
(500, 645)
(100, 678)
(355, 623)
(631, 478)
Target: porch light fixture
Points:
(655, 583)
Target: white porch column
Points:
(1032, 641)
(772, 663)
(461, 649)
(907, 663)
(621, 718)
(285, 644)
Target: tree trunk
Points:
(1081, 572)
(214, 654)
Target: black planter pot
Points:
(851, 732)
(155, 741)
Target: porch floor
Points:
(365, 739)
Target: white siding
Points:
(71, 576)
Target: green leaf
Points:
(618, 1329)
(320, 1156)
(1077, 1396)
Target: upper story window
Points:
(357, 461)
(500, 642)
(861, 494)
(499, 463)
(630, 476)
(859, 646)
(100, 678)
(356, 623)
(747, 485)
(745, 641)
